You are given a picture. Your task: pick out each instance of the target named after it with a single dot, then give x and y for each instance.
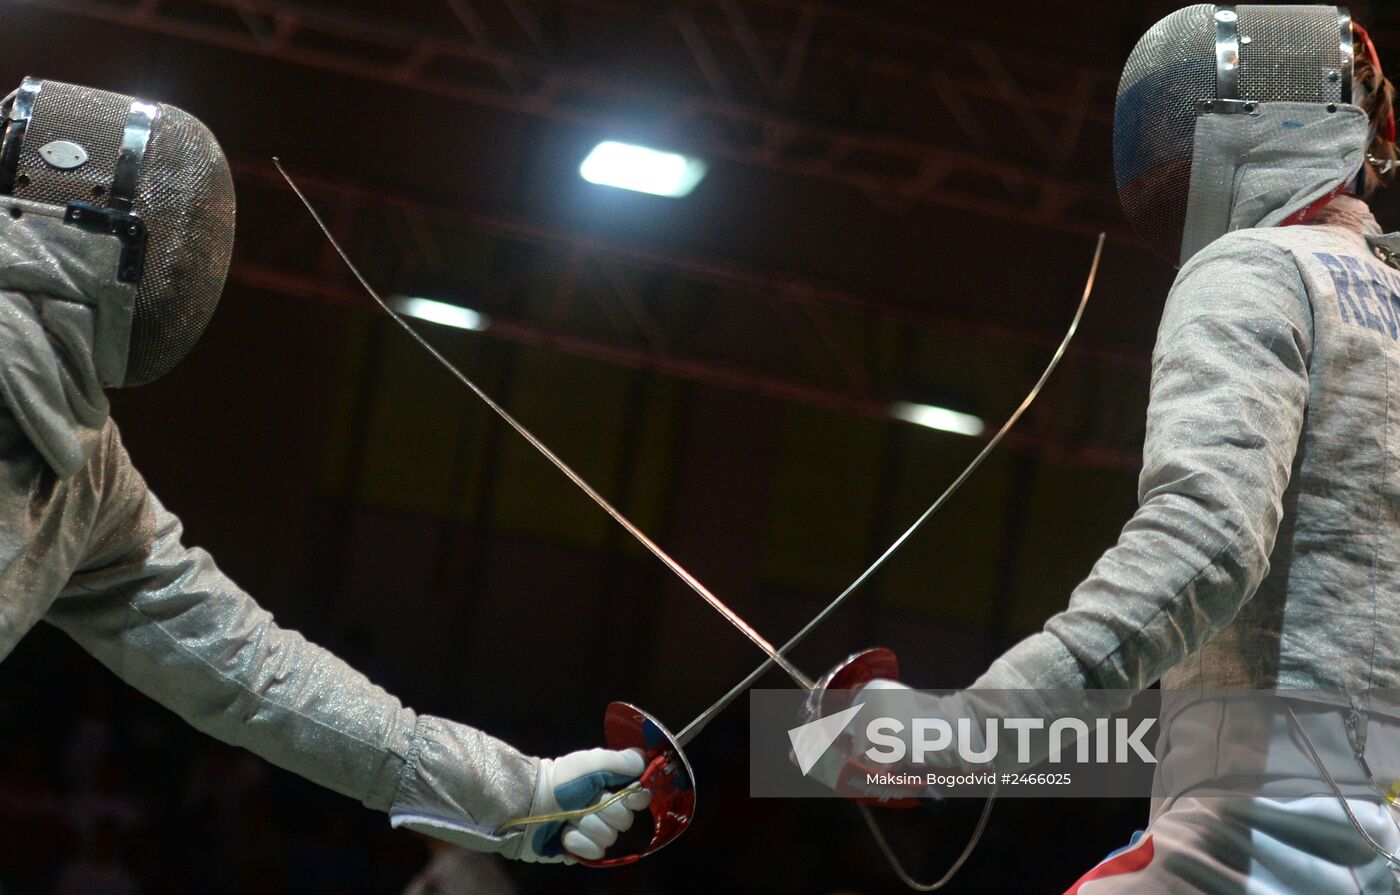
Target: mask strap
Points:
(21, 107)
(135, 136)
(1227, 53)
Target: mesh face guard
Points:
(1212, 60)
(148, 173)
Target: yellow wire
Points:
(576, 814)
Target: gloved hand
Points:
(576, 781)
(891, 699)
(466, 787)
(900, 702)
(886, 699)
(879, 698)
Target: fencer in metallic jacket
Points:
(86, 546)
(1266, 550)
(94, 296)
(1265, 553)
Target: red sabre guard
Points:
(860, 669)
(667, 775)
(834, 692)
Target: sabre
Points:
(668, 774)
(691, 730)
(864, 667)
(680, 571)
(868, 665)
(709, 714)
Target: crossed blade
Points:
(774, 656)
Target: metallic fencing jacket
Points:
(1265, 553)
(86, 546)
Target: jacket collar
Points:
(64, 326)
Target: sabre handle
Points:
(564, 816)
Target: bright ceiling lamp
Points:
(439, 312)
(940, 418)
(642, 169)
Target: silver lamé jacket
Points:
(1265, 553)
(86, 546)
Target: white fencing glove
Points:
(891, 699)
(885, 699)
(881, 698)
(575, 781)
(830, 766)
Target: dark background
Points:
(901, 204)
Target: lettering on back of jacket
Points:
(1367, 295)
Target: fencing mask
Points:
(1235, 116)
(147, 173)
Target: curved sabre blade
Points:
(705, 717)
(680, 571)
(775, 656)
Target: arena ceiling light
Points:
(441, 312)
(940, 418)
(643, 169)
